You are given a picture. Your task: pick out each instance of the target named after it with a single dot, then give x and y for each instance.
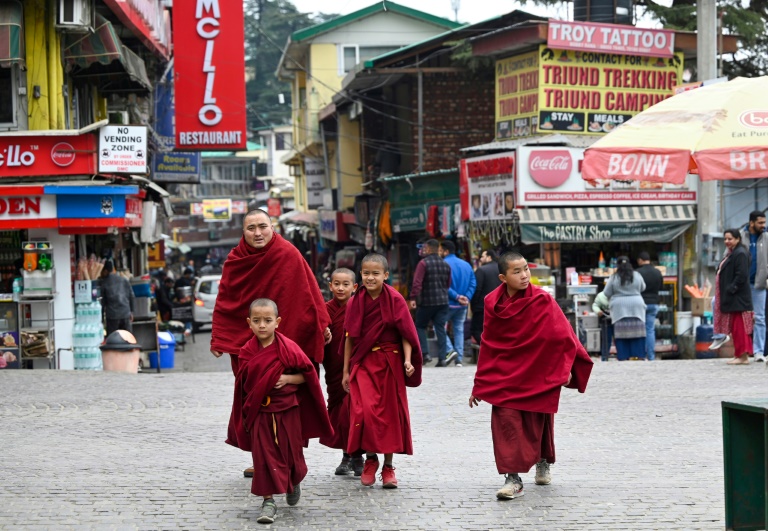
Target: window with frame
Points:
(7, 97)
(352, 54)
(282, 141)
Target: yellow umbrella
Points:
(719, 131)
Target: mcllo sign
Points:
(209, 61)
(32, 156)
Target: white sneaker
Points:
(543, 476)
(759, 357)
(717, 343)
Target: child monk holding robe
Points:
(381, 357)
(527, 354)
(342, 285)
(280, 405)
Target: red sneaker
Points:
(368, 478)
(388, 478)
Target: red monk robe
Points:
(278, 272)
(527, 352)
(333, 361)
(275, 423)
(379, 418)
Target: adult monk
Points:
(265, 265)
(527, 353)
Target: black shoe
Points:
(357, 465)
(345, 468)
(452, 355)
(440, 364)
(427, 359)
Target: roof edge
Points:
(382, 6)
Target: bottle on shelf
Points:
(601, 261)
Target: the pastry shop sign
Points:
(552, 177)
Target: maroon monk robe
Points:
(278, 272)
(379, 417)
(333, 361)
(527, 351)
(274, 423)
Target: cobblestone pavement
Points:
(641, 450)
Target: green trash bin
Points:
(745, 448)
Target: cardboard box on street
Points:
(701, 305)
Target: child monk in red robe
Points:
(279, 404)
(381, 357)
(527, 353)
(342, 285)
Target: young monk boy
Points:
(280, 402)
(343, 283)
(381, 357)
(527, 353)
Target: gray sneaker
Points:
(268, 512)
(292, 498)
(719, 342)
(452, 355)
(513, 488)
(760, 357)
(543, 477)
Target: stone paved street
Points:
(641, 450)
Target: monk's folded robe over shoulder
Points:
(333, 361)
(379, 417)
(277, 272)
(274, 424)
(527, 352)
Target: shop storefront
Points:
(533, 198)
(50, 228)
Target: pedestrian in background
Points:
(118, 299)
(602, 307)
(624, 290)
(486, 280)
(429, 297)
(654, 282)
(755, 240)
(459, 294)
(733, 297)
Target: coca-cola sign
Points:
(550, 168)
(30, 156)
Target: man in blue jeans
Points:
(462, 288)
(431, 281)
(654, 282)
(756, 242)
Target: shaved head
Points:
(263, 303)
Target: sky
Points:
(469, 10)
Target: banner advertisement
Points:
(552, 177)
(217, 209)
(408, 219)
(491, 186)
(517, 96)
(239, 207)
(169, 166)
(209, 61)
(592, 93)
(31, 156)
(314, 173)
(610, 38)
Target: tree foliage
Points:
(747, 20)
(268, 24)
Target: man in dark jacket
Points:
(118, 299)
(755, 240)
(487, 277)
(429, 297)
(654, 282)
